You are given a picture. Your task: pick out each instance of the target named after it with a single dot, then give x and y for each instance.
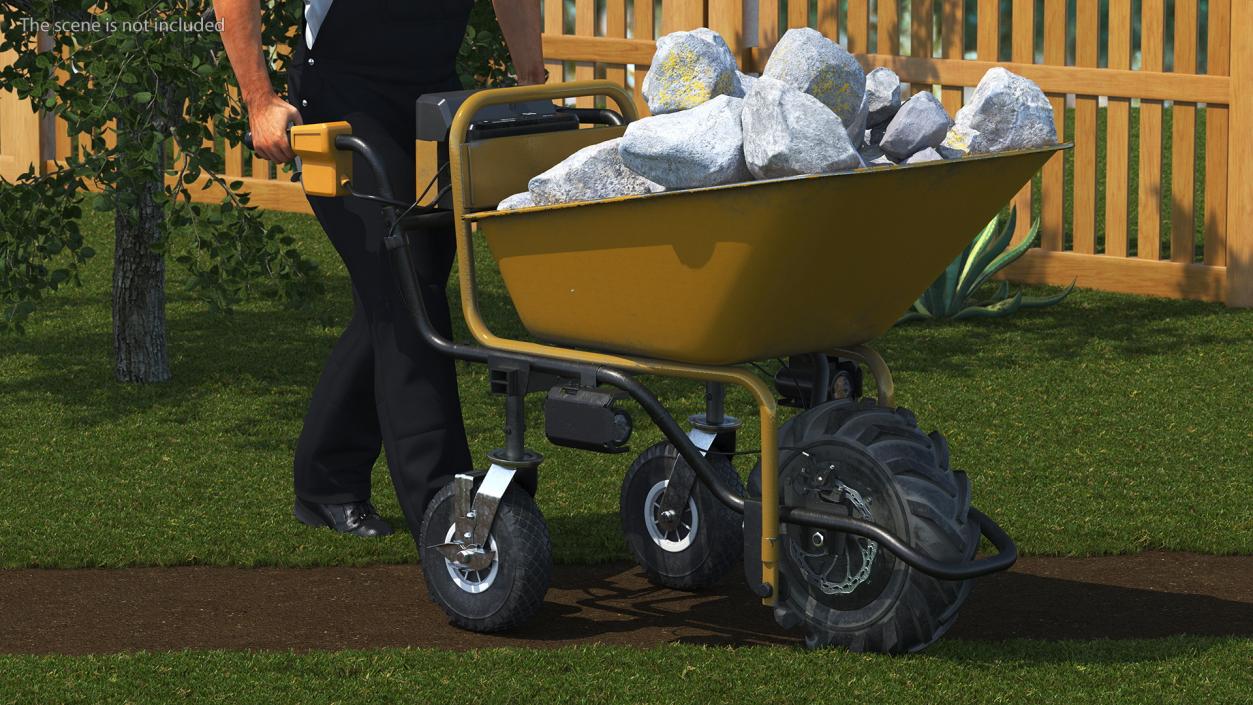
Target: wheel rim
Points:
(468, 579)
(676, 539)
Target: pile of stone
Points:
(812, 111)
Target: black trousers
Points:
(382, 385)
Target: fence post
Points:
(726, 17)
(1240, 162)
(679, 15)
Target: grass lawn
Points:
(1177, 670)
(1106, 424)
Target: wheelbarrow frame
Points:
(515, 360)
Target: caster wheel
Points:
(875, 464)
(708, 540)
(504, 594)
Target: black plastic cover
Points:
(582, 417)
(436, 110)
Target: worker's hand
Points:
(269, 118)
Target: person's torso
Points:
(402, 42)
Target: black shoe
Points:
(357, 518)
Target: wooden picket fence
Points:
(1109, 218)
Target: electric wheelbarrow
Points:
(853, 526)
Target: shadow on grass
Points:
(1009, 617)
(1128, 327)
(258, 351)
(1020, 606)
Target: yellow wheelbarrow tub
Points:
(763, 269)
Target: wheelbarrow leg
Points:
(767, 585)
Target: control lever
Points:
(296, 167)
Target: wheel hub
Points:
(473, 569)
(834, 563)
(670, 530)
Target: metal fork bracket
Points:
(473, 514)
(713, 429)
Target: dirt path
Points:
(92, 611)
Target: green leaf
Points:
(1002, 291)
(980, 245)
(142, 97)
(1009, 257)
(996, 310)
(947, 285)
(911, 316)
(979, 270)
(1042, 301)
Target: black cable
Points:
(761, 370)
(377, 199)
(435, 178)
(412, 206)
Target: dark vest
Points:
(394, 49)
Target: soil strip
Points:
(100, 611)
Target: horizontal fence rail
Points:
(1156, 197)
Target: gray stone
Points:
(869, 153)
(857, 130)
(959, 137)
(883, 160)
(883, 95)
(746, 83)
(927, 155)
(788, 133)
(1007, 111)
(517, 200)
(949, 152)
(810, 62)
(688, 69)
(589, 174)
(703, 146)
(920, 123)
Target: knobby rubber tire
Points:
(922, 500)
(718, 543)
(524, 554)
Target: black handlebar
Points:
(595, 116)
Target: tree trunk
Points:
(139, 286)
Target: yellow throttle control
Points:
(326, 170)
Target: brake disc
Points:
(820, 576)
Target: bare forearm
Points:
(241, 35)
(268, 115)
(520, 23)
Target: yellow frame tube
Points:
(767, 408)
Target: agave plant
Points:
(952, 296)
